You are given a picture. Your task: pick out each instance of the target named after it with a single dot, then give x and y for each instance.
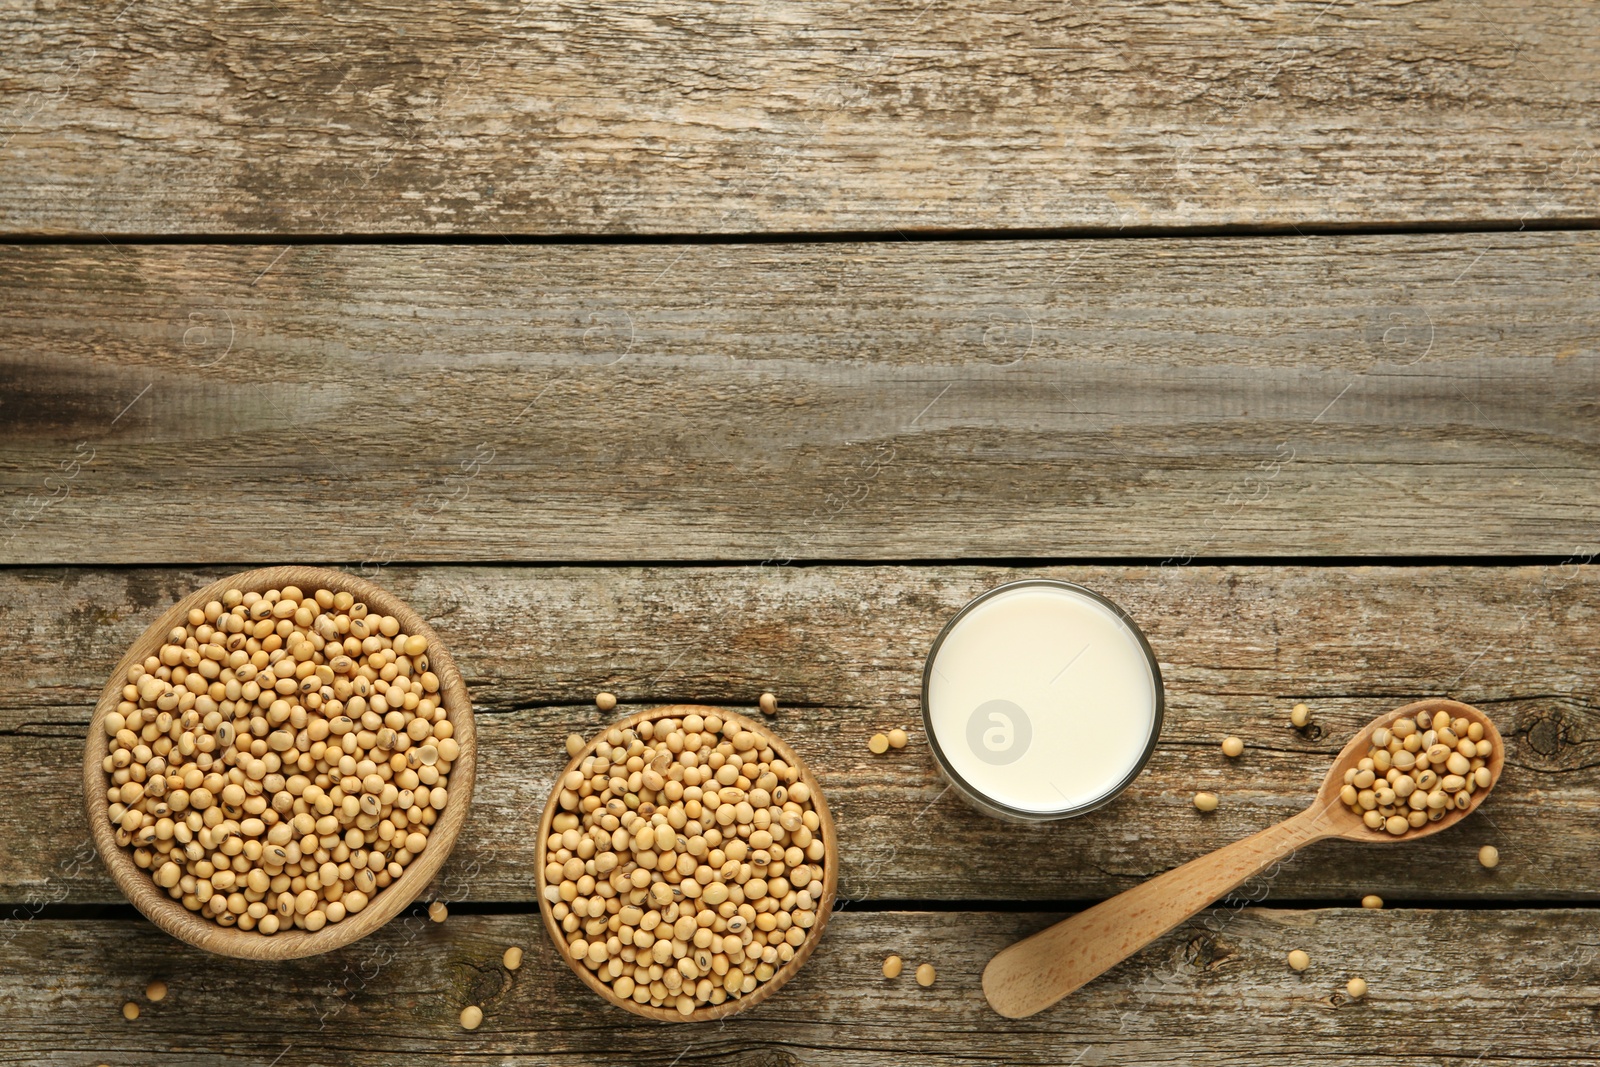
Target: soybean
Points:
(605, 701)
(768, 704)
(1299, 960)
(1489, 856)
(471, 1017)
(1205, 801)
(1300, 715)
(1232, 747)
(1356, 987)
(926, 975)
(879, 744)
(892, 966)
(513, 958)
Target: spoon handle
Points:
(1035, 973)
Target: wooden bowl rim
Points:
(170, 915)
(830, 874)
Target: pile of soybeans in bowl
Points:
(281, 759)
(687, 865)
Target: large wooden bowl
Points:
(830, 873)
(170, 915)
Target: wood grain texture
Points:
(843, 648)
(1519, 990)
(640, 117)
(1156, 398)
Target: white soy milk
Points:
(1042, 700)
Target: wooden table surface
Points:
(688, 352)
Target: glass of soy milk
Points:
(1042, 700)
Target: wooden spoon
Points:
(1033, 974)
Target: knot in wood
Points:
(480, 982)
(1547, 734)
(768, 1057)
(1207, 952)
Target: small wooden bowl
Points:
(830, 873)
(170, 915)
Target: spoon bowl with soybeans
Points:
(1404, 776)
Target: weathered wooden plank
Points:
(1152, 398)
(639, 116)
(843, 647)
(1508, 987)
